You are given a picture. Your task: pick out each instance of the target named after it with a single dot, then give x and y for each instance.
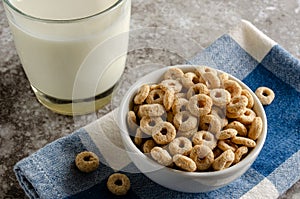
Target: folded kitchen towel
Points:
(244, 52)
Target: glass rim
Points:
(116, 4)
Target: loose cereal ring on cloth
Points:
(87, 161)
(174, 73)
(184, 162)
(255, 128)
(171, 84)
(202, 156)
(210, 123)
(185, 121)
(220, 97)
(180, 104)
(151, 110)
(224, 160)
(196, 89)
(163, 133)
(148, 123)
(204, 138)
(155, 96)
(161, 156)
(200, 105)
(142, 94)
(265, 95)
(118, 184)
(180, 145)
(233, 88)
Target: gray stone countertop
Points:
(26, 126)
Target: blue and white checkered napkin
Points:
(245, 53)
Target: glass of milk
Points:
(72, 51)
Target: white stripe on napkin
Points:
(105, 134)
(252, 40)
(265, 189)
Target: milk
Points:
(72, 60)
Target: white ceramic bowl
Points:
(183, 181)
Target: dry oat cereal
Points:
(195, 120)
(87, 161)
(184, 162)
(265, 95)
(118, 184)
(180, 145)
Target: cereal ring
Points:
(174, 85)
(212, 80)
(180, 145)
(202, 156)
(210, 123)
(246, 93)
(187, 134)
(221, 115)
(241, 129)
(247, 117)
(204, 138)
(227, 133)
(138, 138)
(224, 160)
(223, 77)
(173, 73)
(205, 69)
(255, 128)
(189, 79)
(161, 156)
(200, 105)
(184, 121)
(243, 141)
(239, 153)
(87, 161)
(197, 89)
(184, 162)
(151, 110)
(237, 104)
(227, 144)
(168, 99)
(118, 184)
(147, 124)
(180, 104)
(131, 121)
(148, 145)
(233, 88)
(163, 133)
(220, 97)
(142, 94)
(155, 96)
(265, 95)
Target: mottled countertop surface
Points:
(26, 126)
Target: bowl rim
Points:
(122, 124)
